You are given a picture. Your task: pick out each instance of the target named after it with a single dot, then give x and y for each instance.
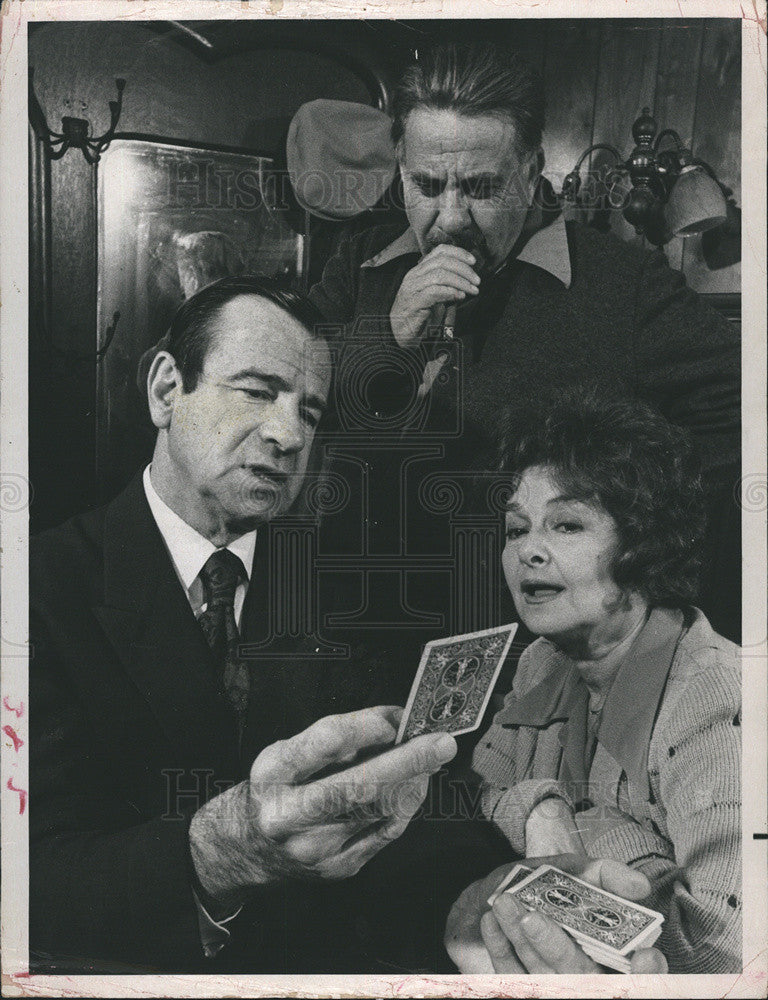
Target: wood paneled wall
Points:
(600, 74)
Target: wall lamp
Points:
(671, 194)
(75, 133)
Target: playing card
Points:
(609, 959)
(513, 877)
(644, 940)
(454, 682)
(590, 914)
(593, 946)
(609, 956)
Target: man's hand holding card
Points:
(316, 806)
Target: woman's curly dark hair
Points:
(636, 465)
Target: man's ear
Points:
(163, 384)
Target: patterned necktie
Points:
(220, 577)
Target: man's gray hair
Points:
(473, 80)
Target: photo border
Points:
(16, 491)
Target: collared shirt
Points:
(547, 248)
(189, 551)
(630, 709)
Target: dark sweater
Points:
(627, 324)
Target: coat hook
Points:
(75, 132)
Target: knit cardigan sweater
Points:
(677, 819)
(626, 324)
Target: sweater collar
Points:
(546, 248)
(630, 710)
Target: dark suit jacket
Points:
(129, 738)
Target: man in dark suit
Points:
(192, 809)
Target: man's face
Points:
(465, 181)
(238, 443)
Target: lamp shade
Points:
(695, 204)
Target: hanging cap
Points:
(340, 157)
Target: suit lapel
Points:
(149, 621)
(285, 674)
(254, 624)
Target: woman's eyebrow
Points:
(581, 501)
(513, 507)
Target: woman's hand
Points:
(463, 939)
(510, 939)
(523, 942)
(551, 829)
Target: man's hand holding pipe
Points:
(443, 276)
(294, 820)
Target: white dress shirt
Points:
(189, 551)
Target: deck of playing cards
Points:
(454, 682)
(512, 878)
(607, 927)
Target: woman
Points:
(620, 738)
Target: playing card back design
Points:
(585, 910)
(513, 878)
(454, 682)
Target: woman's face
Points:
(557, 562)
